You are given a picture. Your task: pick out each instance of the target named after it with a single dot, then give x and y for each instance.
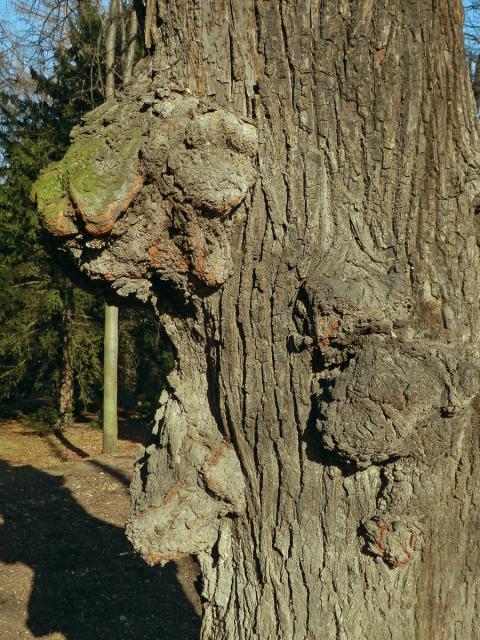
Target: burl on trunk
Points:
(294, 186)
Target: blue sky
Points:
(7, 12)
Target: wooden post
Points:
(110, 422)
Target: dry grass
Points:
(21, 444)
(67, 572)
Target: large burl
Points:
(159, 170)
(387, 395)
(150, 192)
(384, 403)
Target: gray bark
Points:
(303, 217)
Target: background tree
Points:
(302, 181)
(472, 42)
(51, 331)
(110, 350)
(50, 335)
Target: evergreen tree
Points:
(51, 334)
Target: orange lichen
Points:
(170, 256)
(202, 269)
(329, 331)
(378, 58)
(381, 546)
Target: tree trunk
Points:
(66, 389)
(110, 366)
(110, 38)
(130, 47)
(304, 219)
(476, 83)
(110, 342)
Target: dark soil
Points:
(67, 572)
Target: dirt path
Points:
(67, 571)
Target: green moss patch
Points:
(98, 176)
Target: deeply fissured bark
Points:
(307, 231)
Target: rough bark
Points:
(303, 216)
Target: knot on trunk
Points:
(201, 156)
(186, 523)
(146, 186)
(388, 399)
(98, 178)
(174, 517)
(395, 541)
(384, 390)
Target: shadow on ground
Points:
(87, 584)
